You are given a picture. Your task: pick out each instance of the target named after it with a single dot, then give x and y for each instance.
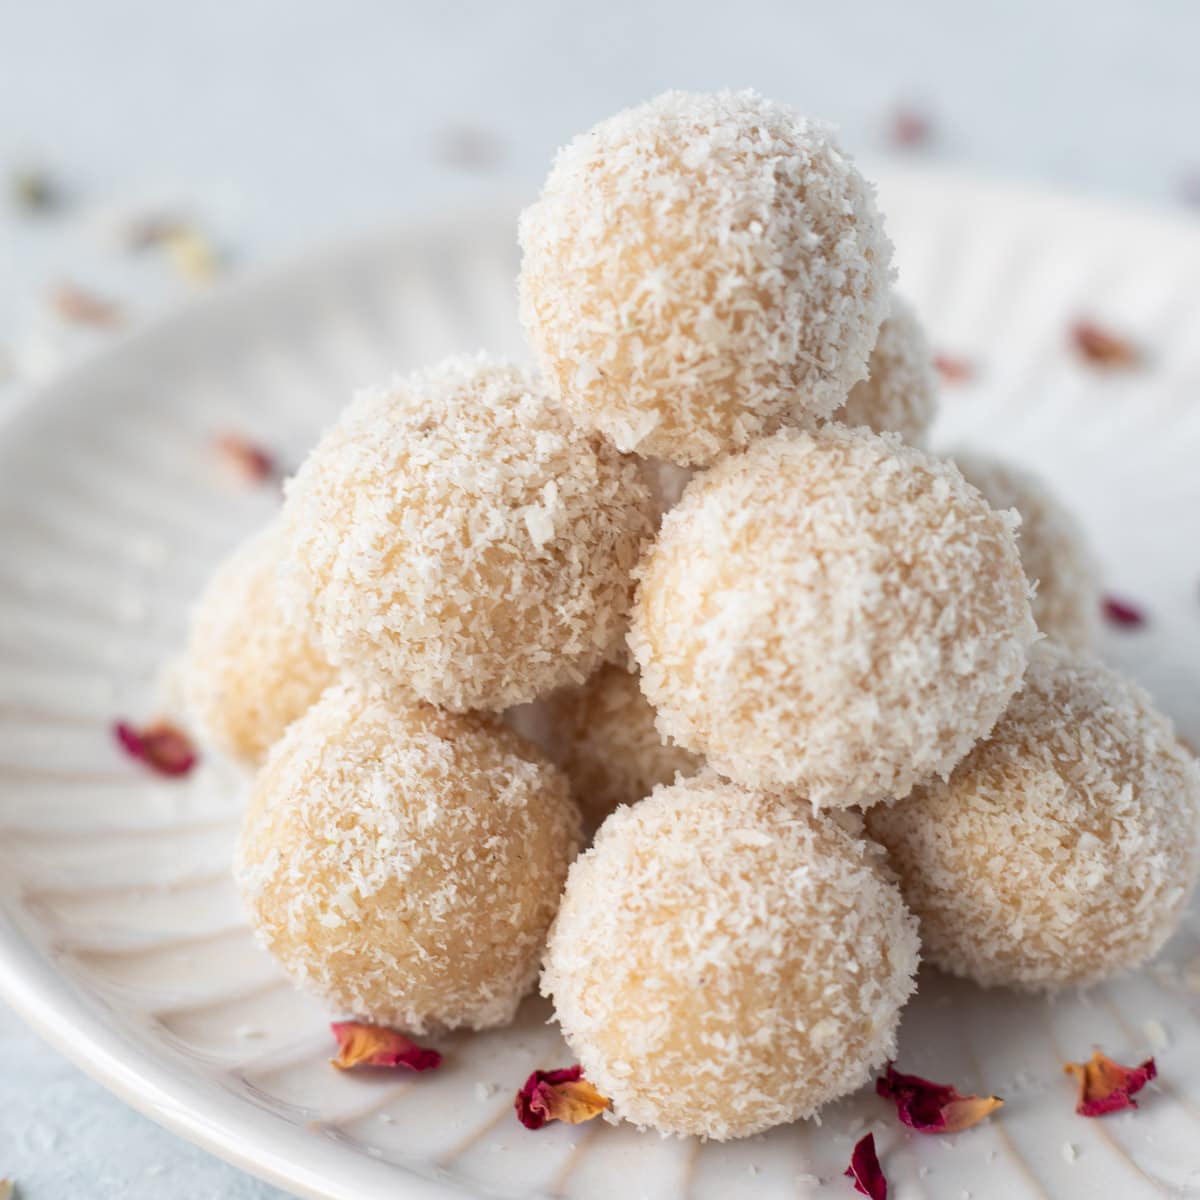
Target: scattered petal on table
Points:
(933, 1107)
(1102, 347)
(865, 1172)
(1106, 1086)
(81, 307)
(561, 1095)
(1122, 613)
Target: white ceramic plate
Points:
(120, 937)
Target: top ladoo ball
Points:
(697, 268)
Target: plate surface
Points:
(120, 935)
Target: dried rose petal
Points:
(1122, 613)
(192, 254)
(84, 308)
(933, 1107)
(161, 746)
(562, 1095)
(1103, 347)
(250, 461)
(909, 126)
(865, 1171)
(1106, 1086)
(952, 370)
(361, 1045)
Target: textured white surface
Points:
(111, 512)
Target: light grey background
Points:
(278, 123)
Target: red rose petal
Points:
(361, 1045)
(933, 1107)
(1106, 1086)
(1122, 613)
(865, 1171)
(1102, 347)
(952, 370)
(250, 461)
(82, 307)
(163, 747)
(561, 1095)
(909, 126)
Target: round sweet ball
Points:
(724, 961)
(247, 673)
(1062, 850)
(455, 535)
(831, 613)
(603, 735)
(1054, 549)
(699, 265)
(405, 863)
(900, 392)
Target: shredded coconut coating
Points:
(831, 613)
(1054, 549)
(899, 394)
(603, 735)
(725, 961)
(247, 673)
(699, 265)
(1063, 849)
(405, 863)
(455, 535)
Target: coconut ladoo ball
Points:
(724, 961)
(899, 394)
(454, 534)
(247, 673)
(404, 863)
(696, 267)
(1063, 849)
(1054, 549)
(831, 613)
(604, 737)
